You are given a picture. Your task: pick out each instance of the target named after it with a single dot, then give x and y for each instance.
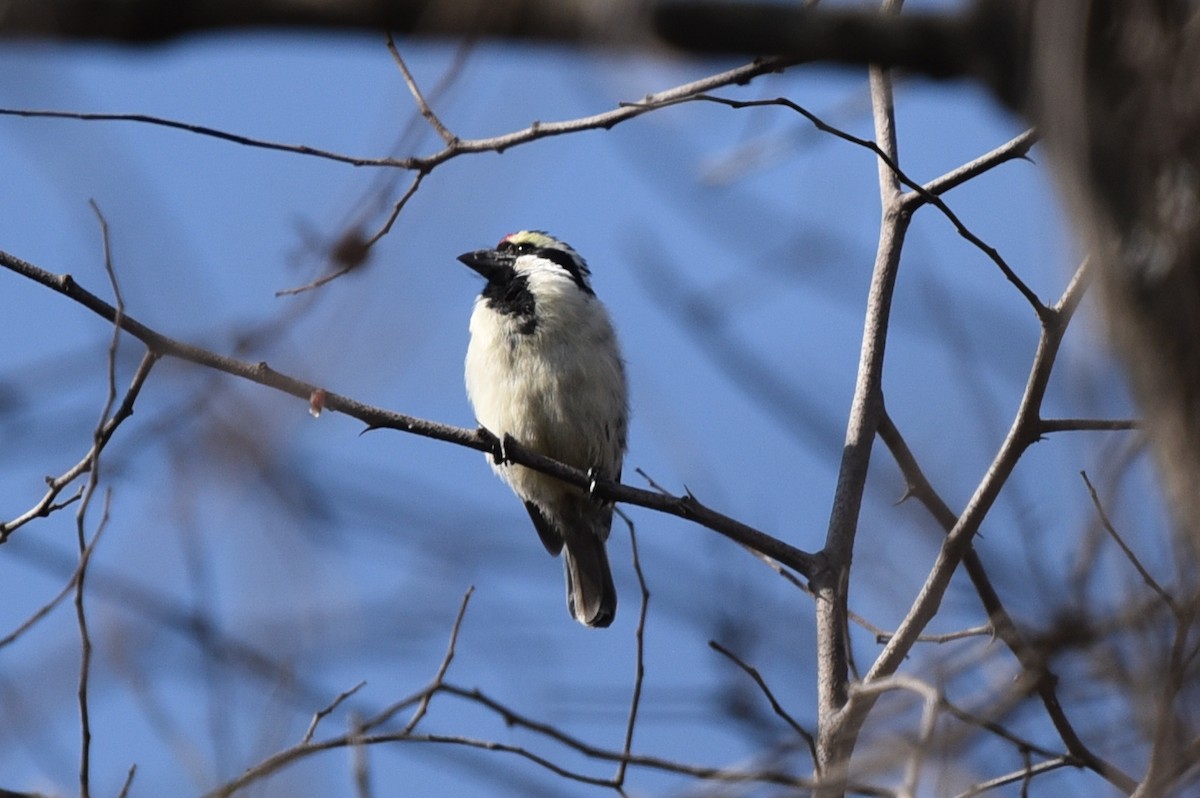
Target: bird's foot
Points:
(496, 446)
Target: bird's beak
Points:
(487, 262)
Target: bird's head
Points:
(529, 255)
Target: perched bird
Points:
(543, 367)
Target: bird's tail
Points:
(591, 596)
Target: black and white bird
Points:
(544, 367)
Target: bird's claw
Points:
(592, 476)
(495, 445)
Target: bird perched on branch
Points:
(544, 369)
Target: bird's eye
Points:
(520, 248)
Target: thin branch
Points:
(640, 657)
(210, 132)
(1024, 774)
(328, 710)
(128, 781)
(986, 630)
(1016, 148)
(85, 548)
(1050, 425)
(776, 707)
(360, 768)
(85, 639)
(1035, 669)
(458, 147)
(992, 727)
(49, 606)
(932, 701)
(1021, 434)
(919, 194)
(439, 678)
(397, 207)
(1150, 581)
(46, 504)
(422, 105)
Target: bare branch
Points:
(423, 106)
(328, 710)
(776, 707)
(1150, 581)
(439, 678)
(56, 484)
(640, 658)
(203, 130)
(832, 585)
(1049, 425)
(49, 606)
(457, 147)
(919, 194)
(1022, 434)
(1024, 774)
(128, 781)
(687, 507)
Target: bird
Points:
(544, 369)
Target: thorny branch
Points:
(1024, 431)
(1034, 668)
(687, 506)
(834, 745)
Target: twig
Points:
(49, 606)
(56, 485)
(328, 710)
(438, 678)
(202, 130)
(128, 781)
(919, 195)
(361, 768)
(1049, 425)
(1023, 775)
(640, 658)
(1150, 581)
(534, 132)
(85, 549)
(778, 709)
(756, 775)
(422, 105)
(398, 206)
(932, 701)
(986, 630)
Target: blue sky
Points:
(347, 554)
